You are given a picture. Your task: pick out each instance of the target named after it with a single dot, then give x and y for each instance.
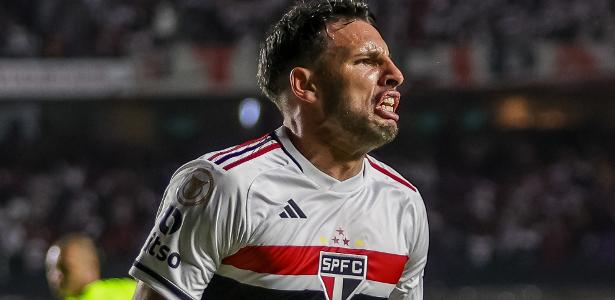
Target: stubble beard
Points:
(362, 129)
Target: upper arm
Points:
(201, 221)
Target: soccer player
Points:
(303, 212)
(73, 272)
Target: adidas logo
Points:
(292, 211)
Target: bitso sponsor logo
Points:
(169, 224)
(162, 252)
(171, 221)
(341, 274)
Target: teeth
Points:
(389, 101)
(388, 104)
(386, 108)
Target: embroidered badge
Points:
(196, 187)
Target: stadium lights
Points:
(249, 112)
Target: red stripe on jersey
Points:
(252, 156)
(388, 173)
(237, 147)
(303, 260)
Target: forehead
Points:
(355, 36)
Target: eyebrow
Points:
(372, 52)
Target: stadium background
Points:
(508, 129)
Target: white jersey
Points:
(259, 221)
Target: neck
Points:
(325, 153)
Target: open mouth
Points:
(387, 105)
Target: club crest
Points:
(195, 188)
(341, 274)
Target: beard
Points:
(362, 128)
(359, 128)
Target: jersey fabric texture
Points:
(107, 289)
(259, 221)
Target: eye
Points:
(366, 61)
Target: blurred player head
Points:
(326, 67)
(72, 263)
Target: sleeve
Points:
(410, 285)
(201, 220)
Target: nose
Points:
(391, 75)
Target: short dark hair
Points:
(296, 39)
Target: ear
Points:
(302, 85)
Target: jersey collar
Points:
(321, 179)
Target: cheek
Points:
(364, 86)
(372, 76)
(364, 75)
(358, 84)
(365, 82)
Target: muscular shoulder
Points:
(384, 174)
(394, 184)
(233, 168)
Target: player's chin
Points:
(387, 131)
(389, 126)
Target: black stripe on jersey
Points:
(277, 139)
(290, 212)
(240, 152)
(297, 209)
(170, 286)
(224, 288)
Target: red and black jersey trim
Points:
(215, 155)
(277, 139)
(242, 151)
(255, 148)
(224, 288)
(391, 175)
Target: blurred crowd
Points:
(508, 206)
(532, 206)
(114, 204)
(95, 28)
(523, 21)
